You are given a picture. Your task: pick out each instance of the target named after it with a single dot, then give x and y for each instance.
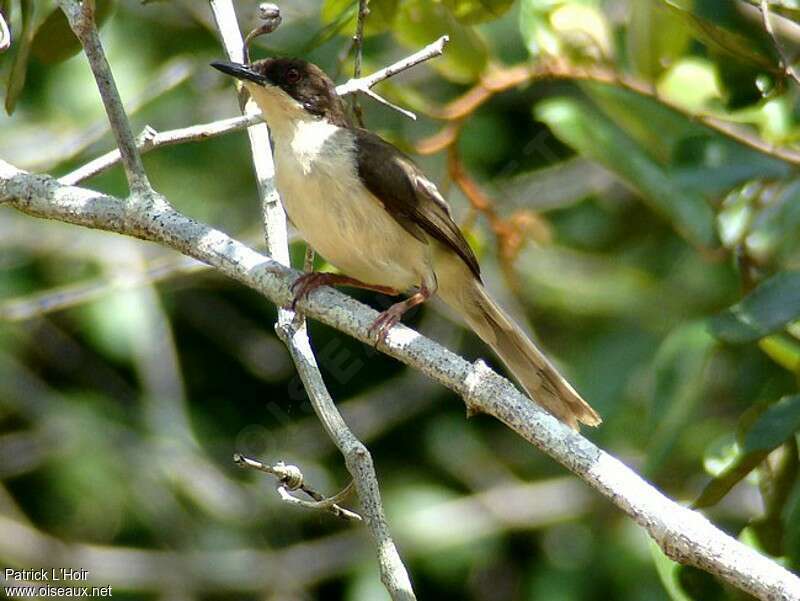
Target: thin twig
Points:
(502, 79)
(391, 105)
(5, 34)
(365, 84)
(291, 478)
(150, 139)
(786, 63)
(430, 51)
(329, 504)
(684, 535)
(292, 330)
(358, 48)
(81, 21)
(271, 15)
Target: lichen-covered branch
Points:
(291, 329)
(685, 535)
(80, 16)
(150, 139)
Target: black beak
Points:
(239, 71)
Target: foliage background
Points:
(615, 223)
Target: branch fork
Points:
(290, 479)
(684, 534)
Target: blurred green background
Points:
(580, 144)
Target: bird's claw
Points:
(305, 285)
(383, 323)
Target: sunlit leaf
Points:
(783, 350)
(594, 135)
(54, 41)
(774, 234)
(478, 11)
(554, 27)
(345, 12)
(767, 432)
(329, 30)
(534, 25)
(583, 29)
(656, 37)
(420, 22)
(725, 40)
(767, 309)
(691, 83)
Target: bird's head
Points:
(289, 89)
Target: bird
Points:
(370, 211)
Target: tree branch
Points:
(502, 79)
(358, 48)
(150, 139)
(81, 21)
(293, 331)
(291, 478)
(786, 63)
(684, 535)
(430, 51)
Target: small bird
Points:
(370, 211)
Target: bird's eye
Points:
(292, 76)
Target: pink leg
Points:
(384, 322)
(308, 282)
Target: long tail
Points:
(528, 364)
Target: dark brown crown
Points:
(306, 83)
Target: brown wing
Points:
(409, 196)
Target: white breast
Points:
(336, 215)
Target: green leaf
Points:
(767, 309)
(478, 11)
(775, 231)
(656, 37)
(595, 136)
(725, 40)
(679, 368)
(535, 28)
(783, 350)
(345, 12)
(791, 519)
(19, 68)
(579, 29)
(774, 426)
(420, 22)
(668, 572)
(54, 41)
(722, 484)
(767, 432)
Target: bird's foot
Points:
(308, 282)
(387, 319)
